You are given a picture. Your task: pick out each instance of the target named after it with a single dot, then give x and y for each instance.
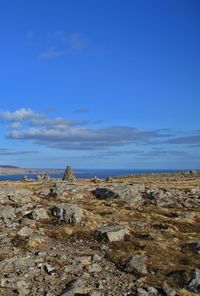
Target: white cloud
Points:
(51, 53)
(19, 115)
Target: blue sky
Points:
(100, 83)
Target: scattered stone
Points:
(140, 224)
(194, 283)
(25, 231)
(142, 292)
(152, 290)
(84, 260)
(36, 242)
(136, 265)
(197, 248)
(69, 213)
(73, 268)
(49, 269)
(69, 175)
(95, 267)
(22, 288)
(168, 291)
(112, 233)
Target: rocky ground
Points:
(134, 235)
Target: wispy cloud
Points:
(51, 53)
(29, 35)
(7, 152)
(190, 139)
(81, 110)
(77, 42)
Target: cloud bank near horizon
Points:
(62, 133)
(96, 142)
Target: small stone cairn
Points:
(69, 175)
(25, 179)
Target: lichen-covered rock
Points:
(126, 193)
(69, 213)
(7, 212)
(39, 214)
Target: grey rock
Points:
(96, 293)
(126, 193)
(22, 288)
(73, 268)
(197, 248)
(168, 291)
(152, 290)
(39, 214)
(25, 231)
(20, 199)
(112, 233)
(139, 224)
(75, 287)
(44, 191)
(28, 222)
(69, 213)
(136, 265)
(7, 212)
(49, 269)
(194, 283)
(142, 292)
(95, 267)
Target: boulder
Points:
(7, 212)
(69, 213)
(136, 265)
(39, 214)
(126, 193)
(112, 233)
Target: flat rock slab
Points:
(69, 213)
(126, 193)
(112, 233)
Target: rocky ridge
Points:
(133, 235)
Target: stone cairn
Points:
(69, 175)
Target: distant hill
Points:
(6, 170)
(8, 166)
